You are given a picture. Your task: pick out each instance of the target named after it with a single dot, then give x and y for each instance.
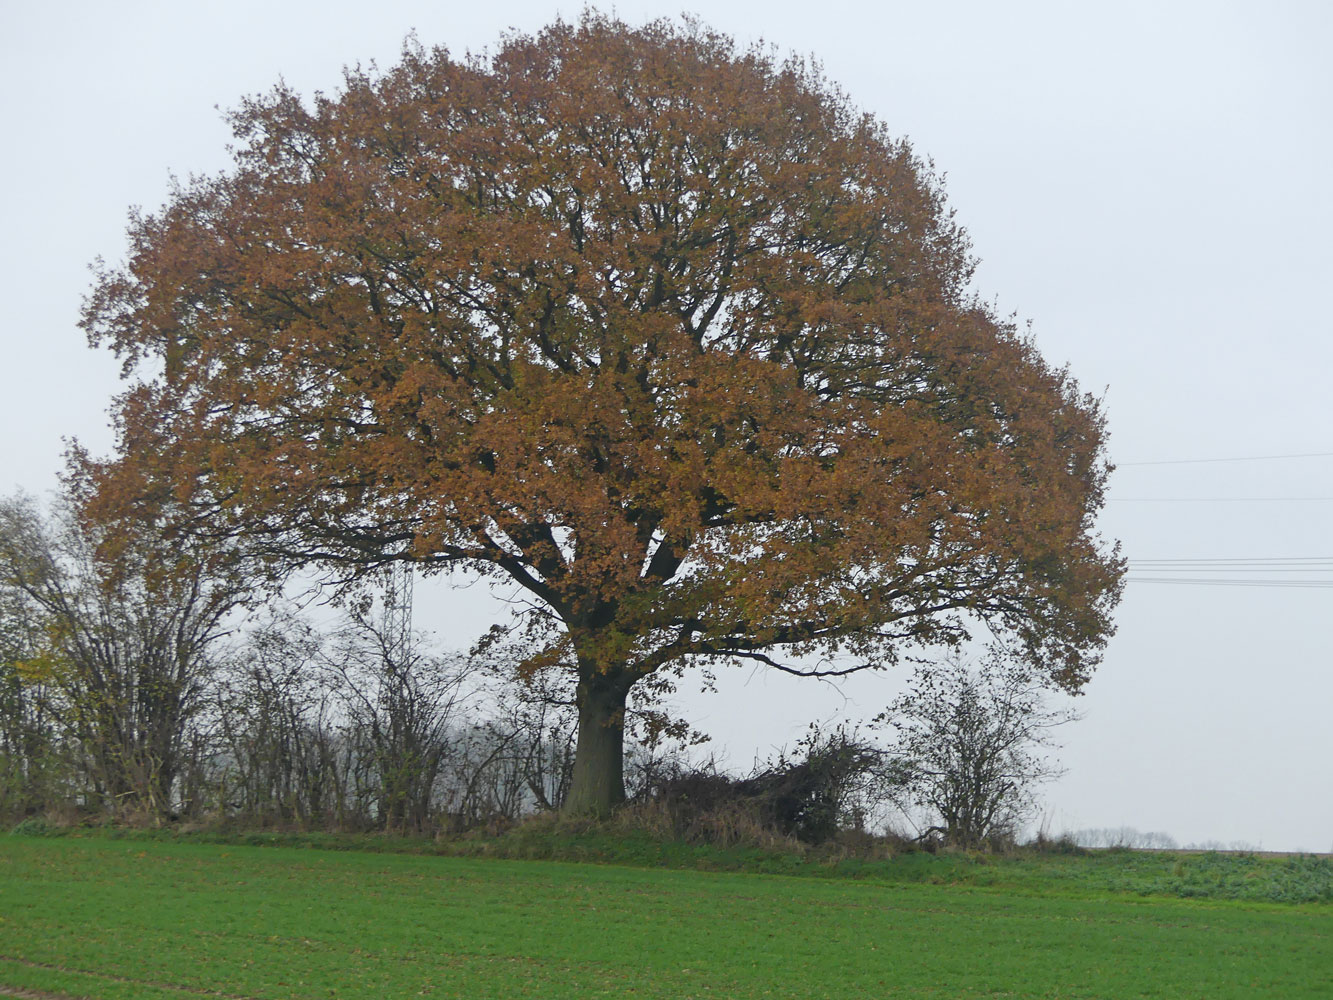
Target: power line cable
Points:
(1231, 569)
(1241, 458)
(1204, 571)
(1218, 499)
(1241, 564)
(1231, 559)
(1205, 582)
(1279, 562)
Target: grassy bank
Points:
(140, 919)
(1182, 874)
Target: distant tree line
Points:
(1126, 837)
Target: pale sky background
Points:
(1148, 183)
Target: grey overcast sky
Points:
(1148, 183)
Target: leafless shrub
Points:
(401, 710)
(972, 742)
(281, 758)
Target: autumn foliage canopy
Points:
(660, 329)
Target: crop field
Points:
(142, 919)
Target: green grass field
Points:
(145, 919)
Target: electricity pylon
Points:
(398, 614)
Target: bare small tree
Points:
(515, 757)
(973, 739)
(34, 769)
(281, 755)
(402, 707)
(125, 620)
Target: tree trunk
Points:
(598, 783)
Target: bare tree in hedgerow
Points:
(127, 621)
(974, 742)
(662, 330)
(34, 771)
(404, 706)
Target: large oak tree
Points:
(661, 329)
